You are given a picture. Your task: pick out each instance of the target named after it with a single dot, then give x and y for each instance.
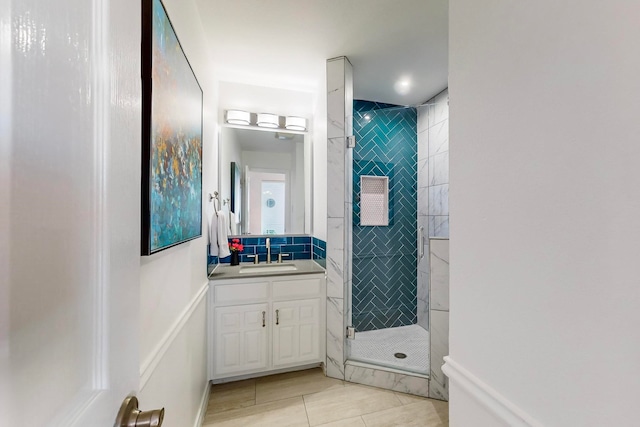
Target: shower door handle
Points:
(420, 242)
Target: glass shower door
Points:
(384, 265)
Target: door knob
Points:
(130, 416)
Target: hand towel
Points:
(223, 237)
(213, 235)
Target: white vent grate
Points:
(374, 200)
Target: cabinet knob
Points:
(264, 313)
(277, 317)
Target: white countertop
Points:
(226, 271)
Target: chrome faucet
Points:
(268, 250)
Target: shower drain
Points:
(400, 356)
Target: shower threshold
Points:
(384, 348)
(378, 367)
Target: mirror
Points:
(265, 180)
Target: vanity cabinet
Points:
(296, 334)
(265, 324)
(241, 338)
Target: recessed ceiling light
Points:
(403, 86)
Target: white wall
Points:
(178, 382)
(173, 337)
(545, 202)
(264, 160)
(319, 141)
(254, 98)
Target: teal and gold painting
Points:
(172, 137)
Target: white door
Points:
(296, 331)
(240, 338)
(272, 206)
(69, 210)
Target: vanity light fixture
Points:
(295, 123)
(238, 117)
(267, 120)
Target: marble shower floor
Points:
(378, 348)
(308, 398)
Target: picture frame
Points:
(172, 116)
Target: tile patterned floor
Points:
(308, 398)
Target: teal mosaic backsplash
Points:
(384, 258)
(298, 247)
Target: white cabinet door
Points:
(240, 338)
(296, 329)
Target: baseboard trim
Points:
(241, 377)
(487, 397)
(204, 403)
(151, 363)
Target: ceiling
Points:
(285, 44)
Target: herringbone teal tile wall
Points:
(384, 258)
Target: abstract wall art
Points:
(171, 136)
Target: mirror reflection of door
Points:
(268, 205)
(273, 207)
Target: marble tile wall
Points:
(433, 216)
(433, 187)
(439, 316)
(388, 380)
(339, 209)
(439, 259)
(438, 165)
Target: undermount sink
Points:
(267, 268)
